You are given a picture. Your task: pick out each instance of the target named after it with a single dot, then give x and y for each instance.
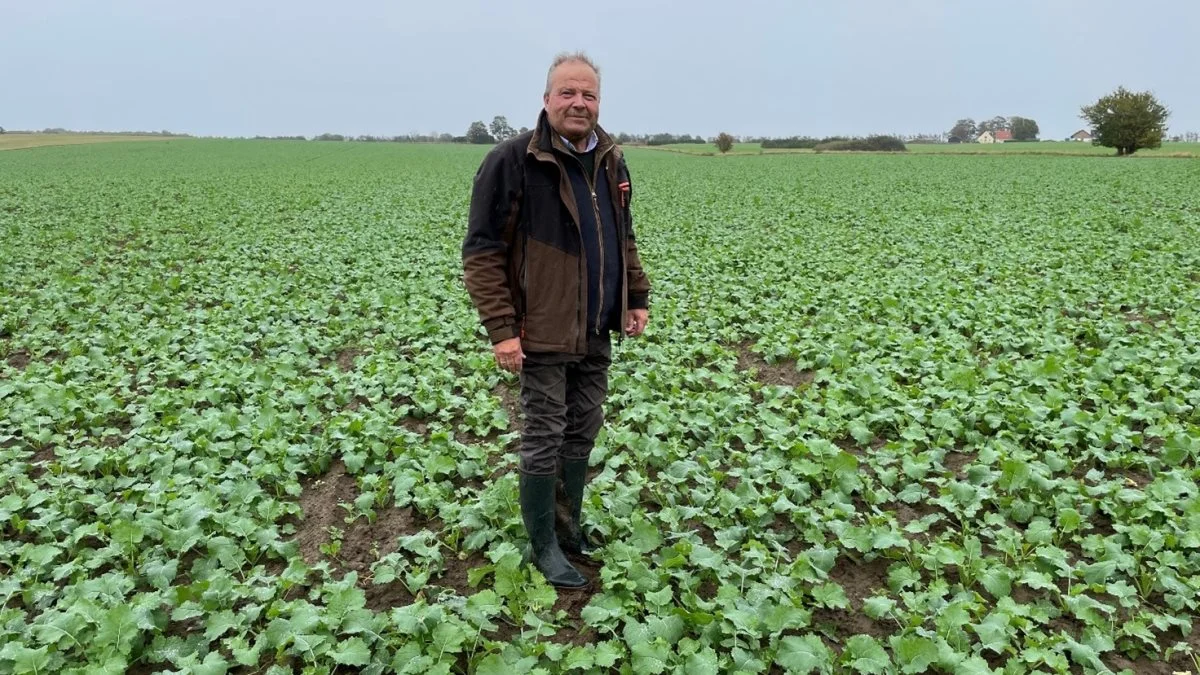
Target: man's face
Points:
(573, 102)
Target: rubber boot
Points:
(571, 536)
(537, 509)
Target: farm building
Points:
(997, 136)
(1082, 135)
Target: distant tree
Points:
(524, 130)
(1023, 129)
(500, 128)
(724, 142)
(1, 130)
(1127, 121)
(329, 137)
(478, 133)
(993, 125)
(964, 130)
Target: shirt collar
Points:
(593, 140)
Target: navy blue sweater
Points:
(600, 245)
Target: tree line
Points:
(1124, 120)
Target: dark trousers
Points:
(562, 397)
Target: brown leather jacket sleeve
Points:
(491, 223)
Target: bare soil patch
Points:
(345, 358)
(956, 462)
(19, 359)
(362, 542)
(782, 373)
(40, 460)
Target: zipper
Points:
(600, 243)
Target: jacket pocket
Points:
(551, 290)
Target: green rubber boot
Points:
(571, 536)
(537, 509)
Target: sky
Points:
(746, 67)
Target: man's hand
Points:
(509, 355)
(635, 321)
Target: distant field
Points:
(18, 141)
(1050, 147)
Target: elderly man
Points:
(551, 265)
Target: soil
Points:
(19, 359)
(510, 399)
(860, 580)
(705, 532)
(345, 358)
(39, 461)
(363, 543)
(782, 373)
(1138, 477)
(956, 462)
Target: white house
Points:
(1082, 135)
(997, 136)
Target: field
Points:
(21, 141)
(914, 413)
(1188, 150)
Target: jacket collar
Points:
(545, 140)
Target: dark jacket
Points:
(526, 265)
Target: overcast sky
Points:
(218, 67)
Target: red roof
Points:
(1003, 135)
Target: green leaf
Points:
(117, 629)
(973, 666)
(1098, 573)
(352, 652)
(645, 536)
(703, 662)
(213, 664)
(579, 658)
(243, 653)
(669, 629)
(803, 654)
(865, 655)
(861, 433)
(493, 664)
(1084, 655)
(830, 595)
(113, 665)
(878, 607)
(914, 654)
(26, 660)
(997, 581)
(650, 657)
(1124, 593)
(608, 653)
(160, 574)
(994, 632)
(217, 624)
(661, 597)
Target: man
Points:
(550, 263)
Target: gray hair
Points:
(571, 57)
